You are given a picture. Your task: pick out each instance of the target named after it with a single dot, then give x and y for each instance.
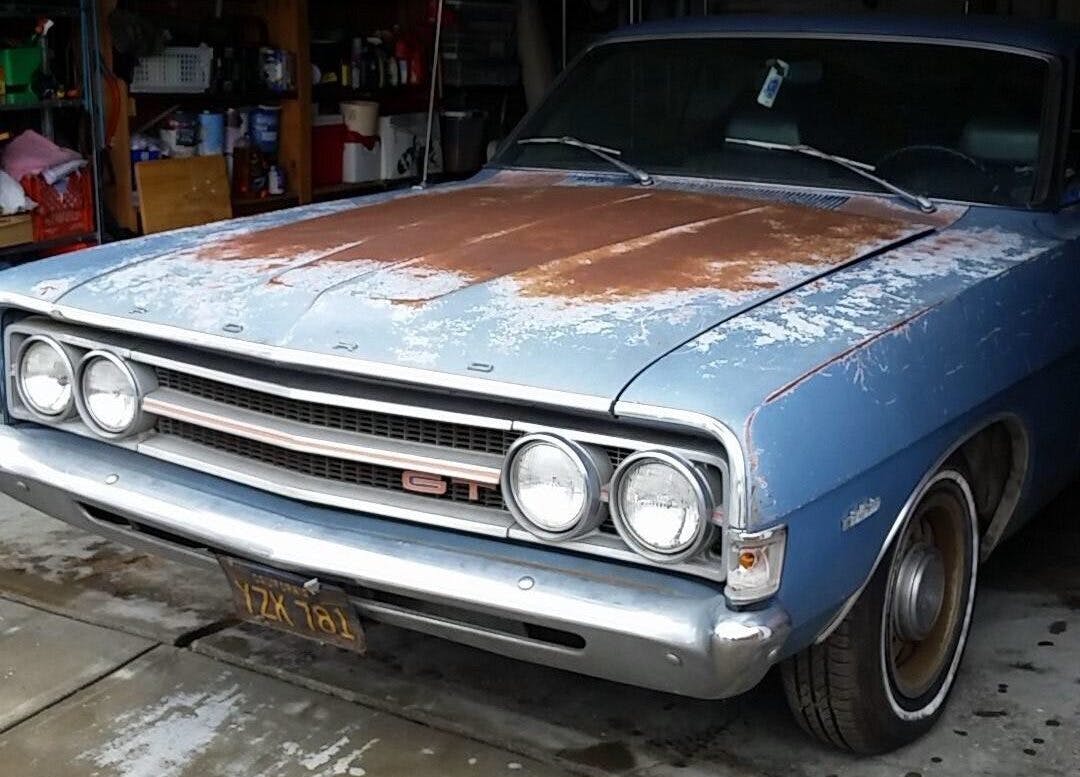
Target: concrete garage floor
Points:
(113, 663)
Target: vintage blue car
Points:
(753, 340)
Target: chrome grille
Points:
(347, 444)
(340, 470)
(393, 427)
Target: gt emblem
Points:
(436, 485)
(423, 483)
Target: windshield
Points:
(944, 121)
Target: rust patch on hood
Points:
(573, 241)
(744, 251)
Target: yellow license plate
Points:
(293, 603)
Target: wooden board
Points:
(16, 230)
(176, 193)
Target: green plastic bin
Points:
(20, 64)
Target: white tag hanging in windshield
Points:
(778, 71)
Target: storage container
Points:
(16, 230)
(327, 146)
(63, 209)
(184, 69)
(467, 44)
(478, 72)
(19, 65)
(401, 139)
(361, 116)
(462, 141)
(477, 13)
(264, 128)
(362, 159)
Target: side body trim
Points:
(1001, 518)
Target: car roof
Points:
(1057, 38)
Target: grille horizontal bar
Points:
(340, 470)
(446, 434)
(335, 443)
(394, 427)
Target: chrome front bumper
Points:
(635, 625)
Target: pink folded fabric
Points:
(31, 153)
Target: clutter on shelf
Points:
(385, 59)
(13, 197)
(26, 72)
(224, 71)
(359, 146)
(57, 187)
(247, 136)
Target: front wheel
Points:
(881, 678)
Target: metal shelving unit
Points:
(8, 104)
(84, 12)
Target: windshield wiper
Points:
(610, 155)
(859, 168)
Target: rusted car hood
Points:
(571, 288)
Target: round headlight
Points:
(552, 486)
(662, 505)
(109, 394)
(45, 377)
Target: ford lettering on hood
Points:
(572, 288)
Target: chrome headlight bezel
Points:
(140, 379)
(705, 496)
(595, 469)
(66, 357)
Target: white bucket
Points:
(361, 116)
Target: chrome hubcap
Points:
(920, 592)
(924, 607)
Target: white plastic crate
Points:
(178, 69)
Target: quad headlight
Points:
(109, 395)
(663, 505)
(552, 486)
(45, 378)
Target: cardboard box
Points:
(16, 229)
(402, 139)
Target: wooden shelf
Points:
(45, 245)
(336, 191)
(339, 191)
(249, 206)
(287, 27)
(231, 99)
(11, 102)
(11, 10)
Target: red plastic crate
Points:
(64, 209)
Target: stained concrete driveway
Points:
(156, 678)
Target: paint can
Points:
(265, 124)
(211, 133)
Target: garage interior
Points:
(122, 118)
(170, 114)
